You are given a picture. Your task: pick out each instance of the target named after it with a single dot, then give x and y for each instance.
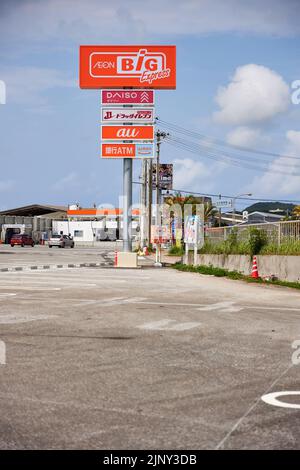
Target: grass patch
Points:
(235, 275)
(176, 251)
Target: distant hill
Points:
(270, 206)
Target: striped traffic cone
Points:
(254, 273)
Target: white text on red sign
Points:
(132, 97)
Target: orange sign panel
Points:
(127, 66)
(118, 150)
(127, 132)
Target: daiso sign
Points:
(128, 66)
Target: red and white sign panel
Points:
(116, 150)
(127, 133)
(123, 115)
(121, 97)
(160, 234)
(136, 66)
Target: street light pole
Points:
(234, 202)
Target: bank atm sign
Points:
(128, 66)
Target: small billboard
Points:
(165, 179)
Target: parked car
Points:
(21, 239)
(61, 241)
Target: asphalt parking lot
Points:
(25, 257)
(150, 358)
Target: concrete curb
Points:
(56, 266)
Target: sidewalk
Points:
(166, 259)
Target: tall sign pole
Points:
(157, 207)
(127, 204)
(127, 76)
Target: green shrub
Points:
(219, 272)
(176, 251)
(257, 240)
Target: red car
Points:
(21, 239)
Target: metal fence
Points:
(276, 232)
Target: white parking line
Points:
(272, 399)
(208, 306)
(168, 324)
(12, 318)
(228, 307)
(30, 288)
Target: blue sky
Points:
(49, 128)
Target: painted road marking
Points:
(12, 318)
(217, 306)
(7, 294)
(169, 325)
(272, 399)
(228, 307)
(30, 288)
(110, 301)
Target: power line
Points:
(235, 157)
(231, 197)
(221, 143)
(198, 150)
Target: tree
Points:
(296, 212)
(209, 210)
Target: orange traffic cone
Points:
(254, 273)
(145, 250)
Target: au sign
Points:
(127, 132)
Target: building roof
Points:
(88, 212)
(34, 209)
(266, 214)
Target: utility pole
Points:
(159, 136)
(149, 181)
(143, 214)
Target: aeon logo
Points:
(147, 66)
(2, 92)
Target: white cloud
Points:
(194, 175)
(244, 136)
(255, 95)
(94, 20)
(284, 183)
(68, 181)
(26, 85)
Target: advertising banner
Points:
(165, 176)
(160, 234)
(193, 230)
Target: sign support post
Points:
(118, 70)
(157, 207)
(127, 204)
